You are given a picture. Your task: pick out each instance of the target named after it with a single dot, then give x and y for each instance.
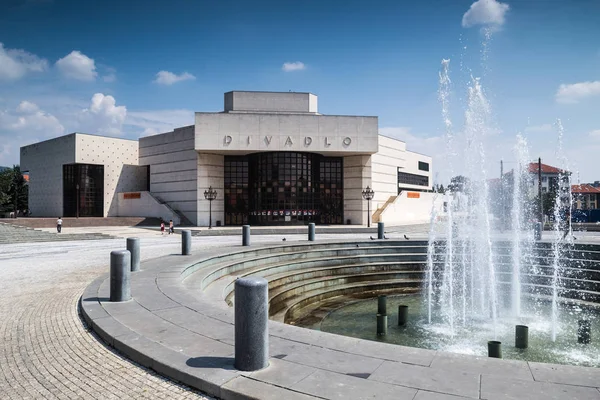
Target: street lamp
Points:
(210, 195)
(368, 194)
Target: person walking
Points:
(171, 230)
(162, 227)
(59, 224)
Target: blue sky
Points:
(95, 66)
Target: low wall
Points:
(411, 208)
(143, 204)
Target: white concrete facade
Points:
(187, 161)
(44, 161)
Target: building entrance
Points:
(283, 188)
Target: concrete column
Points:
(402, 315)
(382, 304)
(521, 336)
(186, 242)
(246, 235)
(251, 324)
(494, 349)
(381, 325)
(380, 229)
(133, 246)
(120, 275)
(311, 232)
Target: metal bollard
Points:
(494, 349)
(120, 275)
(186, 242)
(380, 229)
(402, 315)
(311, 232)
(251, 324)
(537, 231)
(381, 325)
(133, 245)
(246, 235)
(584, 331)
(382, 304)
(521, 337)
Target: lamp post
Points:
(368, 194)
(210, 195)
(77, 197)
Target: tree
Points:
(459, 184)
(14, 192)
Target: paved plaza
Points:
(48, 352)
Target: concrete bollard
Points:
(521, 337)
(120, 275)
(537, 231)
(584, 331)
(382, 304)
(311, 232)
(402, 315)
(380, 229)
(381, 325)
(494, 349)
(133, 245)
(246, 235)
(251, 324)
(186, 243)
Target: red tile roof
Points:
(547, 169)
(584, 189)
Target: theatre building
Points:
(271, 158)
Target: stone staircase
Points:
(11, 234)
(380, 210)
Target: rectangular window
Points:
(423, 166)
(405, 178)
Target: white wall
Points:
(405, 210)
(44, 161)
(145, 206)
(211, 169)
(120, 160)
(385, 163)
(357, 176)
(173, 169)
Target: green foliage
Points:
(14, 192)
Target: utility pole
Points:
(540, 191)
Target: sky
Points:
(136, 68)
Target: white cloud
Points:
(159, 121)
(27, 107)
(103, 116)
(489, 13)
(77, 65)
(169, 78)
(15, 63)
(293, 66)
(573, 93)
(595, 134)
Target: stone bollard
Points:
(246, 235)
(311, 232)
(537, 231)
(584, 331)
(251, 324)
(494, 349)
(186, 243)
(402, 315)
(521, 337)
(382, 304)
(381, 325)
(133, 245)
(380, 228)
(120, 275)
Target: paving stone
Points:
(198, 323)
(332, 385)
(482, 365)
(418, 377)
(281, 373)
(242, 388)
(568, 374)
(425, 395)
(493, 387)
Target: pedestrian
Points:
(162, 227)
(59, 224)
(171, 230)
